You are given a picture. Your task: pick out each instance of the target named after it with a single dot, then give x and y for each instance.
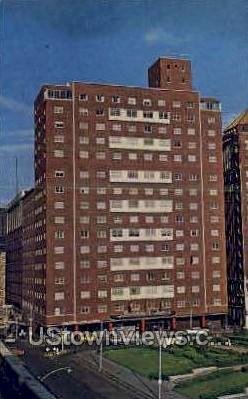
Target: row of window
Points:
(103, 294)
(136, 307)
(134, 156)
(130, 100)
(102, 264)
(117, 127)
(149, 276)
(86, 249)
(138, 219)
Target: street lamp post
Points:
(160, 370)
(44, 377)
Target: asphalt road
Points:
(81, 383)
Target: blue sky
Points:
(53, 41)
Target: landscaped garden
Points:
(175, 360)
(218, 383)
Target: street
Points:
(81, 383)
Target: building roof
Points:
(241, 118)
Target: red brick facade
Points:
(129, 209)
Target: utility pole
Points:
(101, 347)
(191, 319)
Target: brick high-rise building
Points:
(129, 207)
(235, 150)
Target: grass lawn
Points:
(219, 383)
(176, 360)
(145, 361)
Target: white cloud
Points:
(157, 35)
(14, 105)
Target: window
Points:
(163, 157)
(193, 191)
(181, 289)
(58, 139)
(178, 158)
(85, 279)
(115, 111)
(131, 113)
(212, 159)
(59, 205)
(59, 173)
(59, 281)
(58, 296)
(216, 287)
(58, 110)
(161, 103)
(215, 246)
(83, 111)
(84, 154)
(211, 119)
(216, 274)
(195, 275)
(148, 157)
(147, 129)
(118, 248)
(84, 219)
(58, 124)
(162, 129)
(177, 130)
(192, 158)
(101, 219)
(100, 98)
(100, 174)
(102, 293)
(195, 289)
(83, 140)
(58, 250)
(84, 174)
(84, 190)
(100, 126)
(211, 133)
(99, 111)
(83, 97)
(131, 101)
(84, 233)
(100, 140)
(163, 115)
(102, 249)
(84, 205)
(59, 234)
(59, 220)
(148, 114)
(85, 249)
(117, 156)
(59, 153)
(100, 155)
(178, 176)
(191, 132)
(85, 294)
(181, 304)
(85, 309)
(101, 264)
(116, 127)
(180, 275)
(102, 308)
(132, 156)
(59, 265)
(176, 104)
(147, 102)
(84, 264)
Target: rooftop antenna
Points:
(16, 175)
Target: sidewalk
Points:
(133, 381)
